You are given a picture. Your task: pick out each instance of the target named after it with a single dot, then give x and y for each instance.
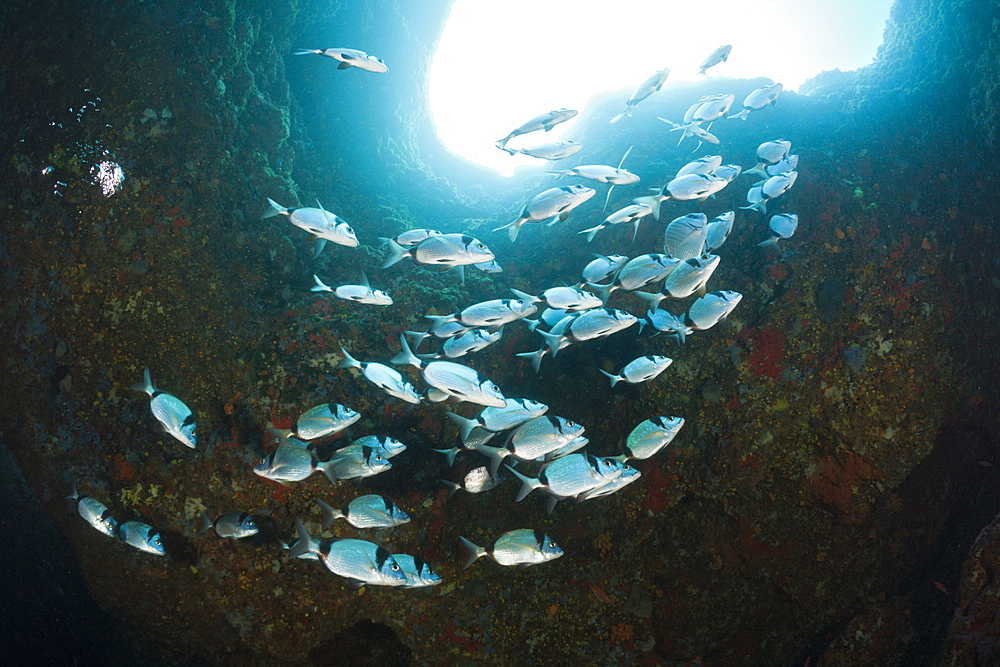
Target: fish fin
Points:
(449, 455)
(524, 296)
(496, 455)
(354, 584)
(603, 291)
(406, 356)
(348, 361)
(553, 341)
(770, 243)
(558, 218)
(320, 244)
(396, 253)
(617, 117)
(652, 299)
(460, 270)
(330, 514)
(206, 522)
(614, 378)
(146, 385)
(528, 484)
(306, 542)
(551, 504)
(475, 552)
(320, 286)
(608, 198)
(329, 468)
(453, 487)
(344, 65)
(592, 232)
(465, 425)
(306, 52)
(535, 357)
(558, 172)
(512, 228)
(434, 395)
(274, 208)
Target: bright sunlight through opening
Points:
(499, 64)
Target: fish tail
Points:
(603, 291)
(453, 487)
(147, 383)
(512, 228)
(770, 243)
(528, 484)
(553, 341)
(465, 425)
(396, 253)
(305, 52)
(614, 378)
(348, 361)
(508, 151)
(524, 296)
(558, 172)
(206, 523)
(406, 356)
(320, 286)
(330, 514)
(495, 454)
(652, 201)
(618, 117)
(306, 542)
(758, 206)
(449, 455)
(551, 504)
(475, 552)
(274, 209)
(535, 357)
(741, 115)
(329, 468)
(592, 232)
(652, 299)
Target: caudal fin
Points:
(348, 361)
(512, 228)
(528, 484)
(306, 543)
(465, 425)
(406, 356)
(396, 253)
(592, 232)
(614, 378)
(475, 552)
(274, 209)
(330, 514)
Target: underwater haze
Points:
(710, 380)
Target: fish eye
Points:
(607, 463)
(395, 568)
(552, 545)
(570, 423)
(348, 229)
(481, 246)
(156, 542)
(626, 467)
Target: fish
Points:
(712, 108)
(639, 370)
(368, 511)
(600, 173)
(385, 378)
(545, 121)
(588, 325)
(516, 412)
(709, 310)
(574, 445)
(447, 250)
(232, 525)
(684, 237)
(418, 572)
(322, 224)
(602, 267)
(703, 165)
(533, 439)
(522, 546)
(385, 445)
(787, 163)
(666, 322)
(349, 58)
(569, 299)
(718, 230)
(491, 266)
(467, 343)
(771, 152)
(359, 561)
(684, 188)
(686, 278)
(633, 213)
(355, 461)
(176, 418)
(719, 55)
(548, 319)
(693, 129)
(492, 314)
(94, 512)
(476, 480)
(362, 293)
(782, 226)
(452, 379)
(629, 475)
(569, 477)
(728, 172)
(772, 188)
(555, 150)
(440, 329)
(650, 436)
(551, 205)
(142, 536)
(637, 272)
(415, 236)
(758, 99)
(287, 463)
(644, 90)
(324, 420)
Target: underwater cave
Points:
(832, 497)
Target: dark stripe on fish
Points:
(381, 556)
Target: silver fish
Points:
(523, 546)
(349, 58)
(684, 237)
(692, 129)
(574, 445)
(545, 121)
(603, 267)
(719, 55)
(324, 420)
(638, 272)
(441, 329)
(600, 173)
(687, 278)
(588, 325)
(233, 525)
(569, 299)
(516, 412)
(684, 188)
(728, 172)
(142, 536)
(415, 236)
(94, 512)
(469, 342)
(713, 108)
(493, 314)
(773, 188)
(387, 379)
(355, 461)
(633, 213)
(388, 447)
(629, 475)
(787, 163)
(650, 437)
(359, 561)
(322, 224)
(666, 322)
(703, 165)
(644, 90)
(711, 309)
(772, 152)
(418, 572)
(555, 150)
(287, 463)
(718, 230)
(362, 293)
(453, 379)
(533, 439)
(476, 480)
(569, 477)
(368, 511)
(491, 266)
(447, 250)
(782, 226)
(550, 205)
(176, 418)
(758, 99)
(639, 370)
